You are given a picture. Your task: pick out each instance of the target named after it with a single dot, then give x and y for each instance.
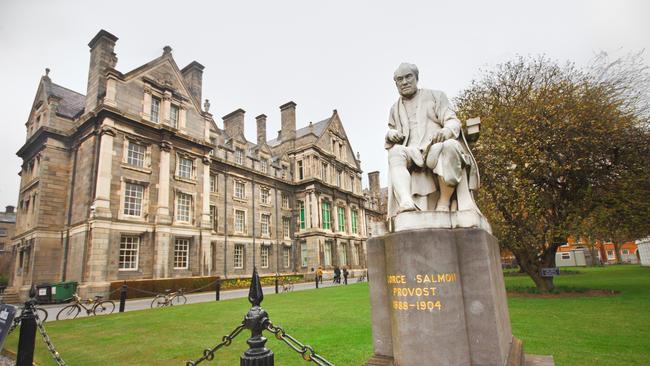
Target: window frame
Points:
(182, 254)
(265, 217)
(177, 211)
(304, 254)
(238, 257)
(127, 200)
(265, 254)
(243, 222)
(128, 252)
(326, 212)
(174, 122)
(131, 154)
(286, 256)
(242, 194)
(180, 167)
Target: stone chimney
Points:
(233, 123)
(288, 124)
(261, 129)
(373, 182)
(9, 209)
(193, 77)
(102, 57)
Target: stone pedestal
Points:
(438, 298)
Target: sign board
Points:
(550, 272)
(7, 314)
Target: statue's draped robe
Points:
(448, 159)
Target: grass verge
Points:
(612, 330)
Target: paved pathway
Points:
(145, 303)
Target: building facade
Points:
(7, 231)
(135, 180)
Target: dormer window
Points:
(155, 108)
(264, 166)
(239, 156)
(173, 116)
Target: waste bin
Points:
(63, 291)
(44, 293)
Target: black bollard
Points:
(123, 297)
(217, 290)
(27, 337)
(256, 321)
(276, 283)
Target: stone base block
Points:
(529, 360)
(438, 298)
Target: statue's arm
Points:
(447, 116)
(393, 136)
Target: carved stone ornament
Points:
(166, 146)
(107, 130)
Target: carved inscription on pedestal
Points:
(422, 292)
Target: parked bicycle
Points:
(169, 298)
(95, 306)
(40, 312)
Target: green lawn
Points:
(589, 331)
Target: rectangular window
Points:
(181, 253)
(240, 189)
(343, 255)
(173, 116)
(240, 221)
(302, 215)
(213, 217)
(341, 218)
(136, 154)
(286, 257)
(265, 224)
(353, 219)
(133, 194)
(300, 172)
(129, 249)
(286, 227)
(264, 168)
(355, 254)
(303, 254)
(185, 167)
(213, 183)
(265, 195)
(264, 256)
(327, 220)
(566, 255)
(285, 200)
(238, 256)
(323, 172)
(625, 252)
(239, 156)
(610, 254)
(155, 108)
(183, 207)
(328, 253)
(339, 174)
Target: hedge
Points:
(149, 288)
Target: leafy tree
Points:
(553, 138)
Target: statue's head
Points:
(406, 79)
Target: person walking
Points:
(319, 275)
(337, 275)
(345, 275)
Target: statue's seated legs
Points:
(447, 160)
(399, 160)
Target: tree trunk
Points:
(533, 267)
(544, 284)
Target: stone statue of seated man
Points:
(430, 165)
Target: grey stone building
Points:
(136, 180)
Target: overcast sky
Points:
(323, 55)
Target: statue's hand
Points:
(394, 136)
(442, 135)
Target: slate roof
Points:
(316, 128)
(71, 104)
(9, 217)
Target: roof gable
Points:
(335, 127)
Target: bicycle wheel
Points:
(68, 312)
(159, 301)
(179, 300)
(104, 307)
(42, 314)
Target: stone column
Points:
(162, 213)
(102, 202)
(205, 219)
(166, 107)
(315, 212)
